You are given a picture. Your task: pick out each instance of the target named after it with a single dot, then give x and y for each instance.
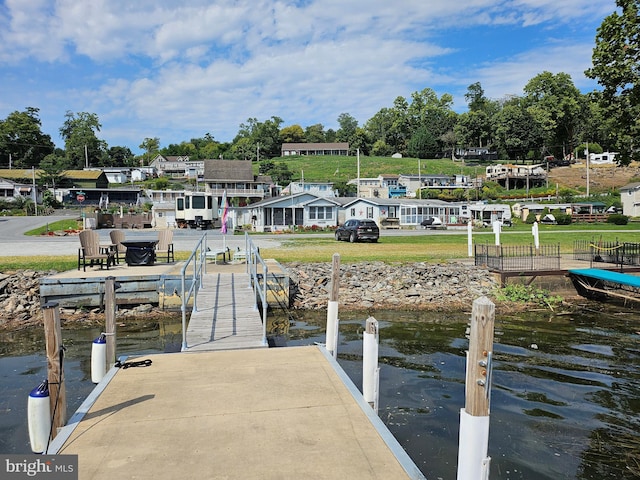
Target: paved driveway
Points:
(13, 241)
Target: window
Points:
(369, 212)
(320, 213)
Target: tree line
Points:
(550, 117)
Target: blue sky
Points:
(180, 69)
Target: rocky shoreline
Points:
(377, 285)
(364, 286)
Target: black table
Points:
(140, 252)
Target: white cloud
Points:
(199, 67)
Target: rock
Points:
(378, 285)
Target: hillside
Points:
(602, 178)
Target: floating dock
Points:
(252, 414)
(598, 284)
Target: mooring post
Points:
(473, 444)
(470, 238)
(370, 369)
(110, 319)
(55, 370)
(497, 227)
(536, 236)
(332, 307)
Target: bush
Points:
(562, 218)
(618, 219)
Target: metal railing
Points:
(618, 253)
(197, 261)
(254, 263)
(518, 258)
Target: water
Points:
(565, 399)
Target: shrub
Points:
(562, 218)
(618, 219)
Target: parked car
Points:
(358, 230)
(432, 223)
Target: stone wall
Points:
(377, 285)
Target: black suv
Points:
(357, 230)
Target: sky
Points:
(178, 70)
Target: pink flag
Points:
(225, 212)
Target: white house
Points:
(630, 198)
(286, 212)
(321, 189)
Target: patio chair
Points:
(117, 237)
(165, 245)
(92, 252)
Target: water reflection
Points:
(565, 396)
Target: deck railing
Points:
(618, 253)
(517, 258)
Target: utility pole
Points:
(586, 152)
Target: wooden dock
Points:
(225, 314)
(278, 413)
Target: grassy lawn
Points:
(428, 247)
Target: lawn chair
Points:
(91, 252)
(165, 245)
(117, 237)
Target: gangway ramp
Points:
(225, 316)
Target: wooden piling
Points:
(332, 307)
(478, 360)
(110, 319)
(473, 444)
(55, 373)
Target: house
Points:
(412, 183)
(285, 212)
(10, 190)
(177, 166)
(117, 175)
(517, 176)
(288, 149)
(321, 189)
(630, 198)
(409, 213)
(236, 178)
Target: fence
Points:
(618, 253)
(518, 258)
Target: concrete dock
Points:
(274, 413)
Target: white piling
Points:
(370, 363)
(473, 443)
(332, 308)
(470, 237)
(536, 237)
(497, 227)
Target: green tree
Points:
(556, 105)
(81, 143)
(120, 157)
(21, 138)
(292, 134)
(315, 133)
(52, 174)
(348, 128)
(257, 136)
(517, 131)
(615, 59)
(151, 147)
(422, 144)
